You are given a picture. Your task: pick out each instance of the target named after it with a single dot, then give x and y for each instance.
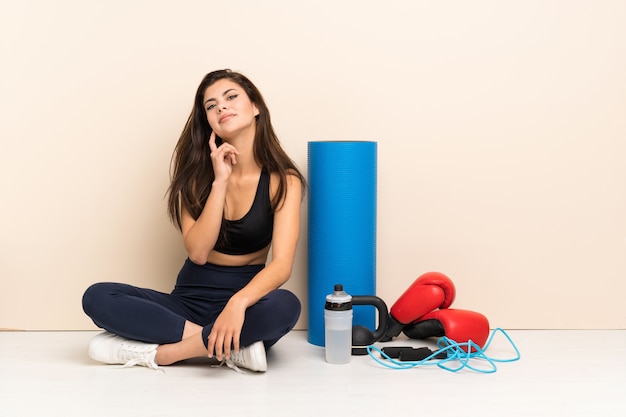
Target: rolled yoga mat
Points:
(341, 228)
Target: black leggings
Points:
(200, 295)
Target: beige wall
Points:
(501, 131)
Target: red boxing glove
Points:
(429, 292)
(458, 325)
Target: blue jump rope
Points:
(456, 353)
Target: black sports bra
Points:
(253, 231)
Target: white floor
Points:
(560, 373)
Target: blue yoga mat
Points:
(341, 228)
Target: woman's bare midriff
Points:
(255, 258)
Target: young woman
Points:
(234, 193)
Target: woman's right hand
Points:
(223, 158)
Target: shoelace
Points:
(142, 362)
(230, 364)
(137, 356)
(234, 357)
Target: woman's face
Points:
(228, 109)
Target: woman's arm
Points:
(284, 243)
(227, 327)
(200, 235)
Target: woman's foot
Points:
(251, 357)
(112, 349)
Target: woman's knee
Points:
(285, 303)
(94, 297)
(271, 318)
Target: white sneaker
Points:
(250, 357)
(112, 349)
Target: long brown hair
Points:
(191, 170)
